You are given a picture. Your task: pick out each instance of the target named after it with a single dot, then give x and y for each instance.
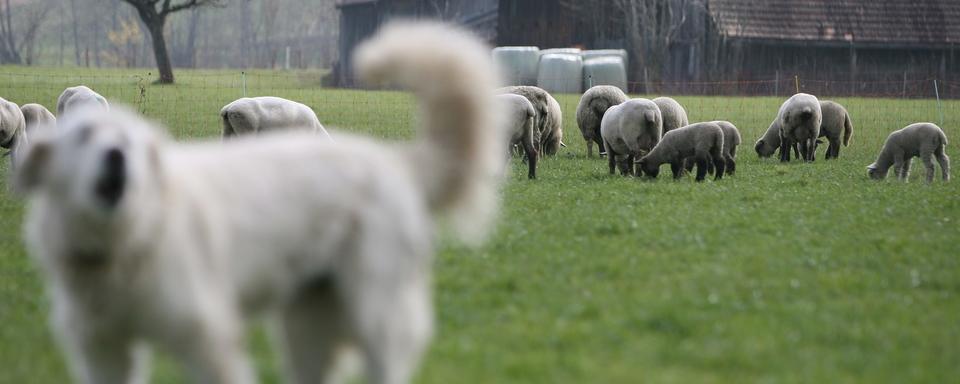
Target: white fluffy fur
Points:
(253, 115)
(630, 130)
(79, 97)
(799, 119)
(674, 116)
(520, 121)
(334, 239)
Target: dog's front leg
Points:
(102, 357)
(212, 349)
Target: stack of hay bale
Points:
(562, 70)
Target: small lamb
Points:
(731, 140)
(836, 125)
(593, 105)
(255, 115)
(519, 117)
(549, 132)
(925, 140)
(769, 143)
(674, 116)
(702, 141)
(799, 118)
(630, 130)
(79, 96)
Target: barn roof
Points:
(347, 3)
(869, 22)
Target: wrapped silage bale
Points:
(518, 65)
(597, 53)
(560, 73)
(568, 51)
(607, 70)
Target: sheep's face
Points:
(8, 123)
(764, 149)
(647, 168)
(94, 165)
(875, 172)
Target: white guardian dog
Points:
(144, 241)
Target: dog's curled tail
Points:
(459, 153)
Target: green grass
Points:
(782, 273)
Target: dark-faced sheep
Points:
(79, 96)
(769, 143)
(549, 132)
(925, 140)
(836, 127)
(593, 105)
(255, 115)
(674, 116)
(799, 118)
(630, 130)
(519, 117)
(702, 141)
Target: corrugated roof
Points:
(901, 22)
(345, 3)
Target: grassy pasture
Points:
(781, 273)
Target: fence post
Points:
(243, 82)
(936, 90)
(776, 85)
(904, 96)
(286, 62)
(796, 81)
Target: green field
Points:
(779, 274)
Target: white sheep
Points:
(702, 141)
(38, 122)
(593, 104)
(674, 116)
(549, 132)
(799, 118)
(836, 127)
(12, 126)
(925, 140)
(769, 143)
(630, 130)
(255, 115)
(79, 96)
(519, 116)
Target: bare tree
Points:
(154, 14)
(17, 44)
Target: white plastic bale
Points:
(560, 73)
(598, 53)
(609, 70)
(568, 51)
(518, 65)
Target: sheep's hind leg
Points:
(677, 168)
(611, 161)
(944, 162)
(719, 165)
(313, 327)
(702, 162)
(927, 158)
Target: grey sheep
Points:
(593, 104)
(836, 127)
(674, 116)
(630, 130)
(925, 140)
(799, 118)
(79, 96)
(731, 140)
(702, 141)
(519, 117)
(254, 115)
(38, 121)
(769, 143)
(12, 125)
(549, 132)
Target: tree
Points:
(154, 15)
(14, 41)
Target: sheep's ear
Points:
(872, 167)
(30, 173)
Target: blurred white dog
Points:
(143, 239)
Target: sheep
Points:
(731, 140)
(38, 121)
(769, 143)
(593, 104)
(703, 141)
(799, 118)
(12, 125)
(520, 117)
(674, 116)
(78, 96)
(630, 130)
(254, 115)
(549, 132)
(836, 124)
(925, 140)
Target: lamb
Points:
(38, 122)
(549, 132)
(731, 140)
(520, 116)
(79, 96)
(769, 143)
(674, 116)
(836, 124)
(254, 115)
(702, 141)
(799, 118)
(630, 130)
(593, 104)
(925, 140)
(12, 126)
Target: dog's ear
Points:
(30, 173)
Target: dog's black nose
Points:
(113, 177)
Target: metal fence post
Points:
(243, 82)
(936, 90)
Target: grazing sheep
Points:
(799, 118)
(925, 140)
(12, 126)
(630, 130)
(520, 116)
(254, 115)
(702, 141)
(38, 122)
(593, 104)
(769, 143)
(549, 132)
(674, 116)
(731, 140)
(836, 127)
(79, 96)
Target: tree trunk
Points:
(160, 52)
(191, 49)
(76, 32)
